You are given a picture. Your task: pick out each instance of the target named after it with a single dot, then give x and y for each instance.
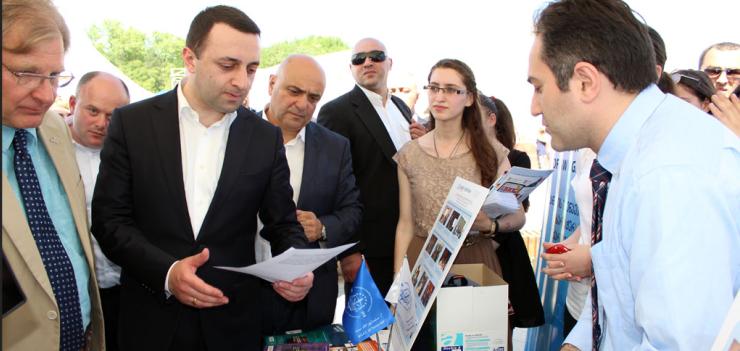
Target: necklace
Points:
(454, 149)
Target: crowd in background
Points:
(115, 216)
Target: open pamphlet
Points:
(511, 189)
(291, 264)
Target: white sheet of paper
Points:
(498, 204)
(291, 264)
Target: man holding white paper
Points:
(324, 188)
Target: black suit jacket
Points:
(352, 116)
(328, 189)
(140, 218)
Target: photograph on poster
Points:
(437, 251)
(459, 227)
(415, 275)
(427, 293)
(445, 215)
(444, 259)
(452, 221)
(430, 245)
(422, 282)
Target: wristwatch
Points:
(323, 233)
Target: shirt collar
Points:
(185, 111)
(85, 149)
(9, 134)
(624, 133)
(301, 133)
(375, 98)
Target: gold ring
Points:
(195, 301)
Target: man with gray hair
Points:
(721, 62)
(46, 241)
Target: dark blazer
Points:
(352, 116)
(140, 219)
(328, 189)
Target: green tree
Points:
(146, 59)
(311, 45)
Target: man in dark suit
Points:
(182, 178)
(376, 130)
(320, 162)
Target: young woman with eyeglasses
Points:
(457, 145)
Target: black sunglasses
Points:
(714, 72)
(375, 56)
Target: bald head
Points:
(295, 90)
(98, 94)
(369, 69)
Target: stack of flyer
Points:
(511, 189)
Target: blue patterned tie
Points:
(600, 179)
(57, 263)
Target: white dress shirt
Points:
(393, 120)
(667, 266)
(88, 161)
(203, 149)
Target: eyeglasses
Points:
(714, 72)
(375, 56)
(433, 89)
(33, 80)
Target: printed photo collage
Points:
(445, 238)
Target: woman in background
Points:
(694, 87)
(516, 267)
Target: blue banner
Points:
(560, 220)
(366, 312)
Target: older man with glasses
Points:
(377, 124)
(46, 242)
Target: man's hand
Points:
(295, 290)
(311, 225)
(350, 265)
(572, 265)
(727, 111)
(416, 130)
(191, 290)
(569, 347)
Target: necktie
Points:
(600, 178)
(55, 259)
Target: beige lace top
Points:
(431, 178)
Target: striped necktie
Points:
(600, 178)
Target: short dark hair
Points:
(723, 46)
(204, 21)
(604, 33)
(87, 77)
(658, 46)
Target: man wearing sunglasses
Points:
(721, 62)
(46, 241)
(377, 124)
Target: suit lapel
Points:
(20, 234)
(57, 142)
(369, 117)
(166, 127)
(310, 165)
(237, 145)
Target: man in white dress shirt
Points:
(97, 95)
